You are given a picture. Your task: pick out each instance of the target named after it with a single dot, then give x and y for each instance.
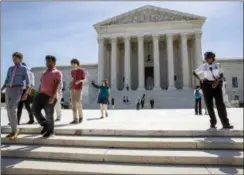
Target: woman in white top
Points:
(212, 88)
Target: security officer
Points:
(212, 88)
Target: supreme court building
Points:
(150, 47)
(153, 51)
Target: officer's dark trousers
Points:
(215, 93)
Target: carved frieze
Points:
(149, 15)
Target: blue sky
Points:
(65, 29)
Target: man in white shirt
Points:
(27, 101)
(212, 89)
(58, 106)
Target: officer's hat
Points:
(209, 55)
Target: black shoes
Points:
(212, 126)
(74, 122)
(44, 129)
(228, 127)
(47, 135)
(30, 122)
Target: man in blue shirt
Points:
(14, 83)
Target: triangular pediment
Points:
(147, 14)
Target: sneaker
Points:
(228, 127)
(15, 135)
(10, 135)
(106, 114)
(44, 129)
(80, 119)
(74, 122)
(58, 119)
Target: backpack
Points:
(197, 94)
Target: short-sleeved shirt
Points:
(48, 80)
(210, 71)
(77, 74)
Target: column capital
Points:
(169, 35)
(127, 37)
(155, 36)
(100, 39)
(184, 34)
(140, 37)
(113, 39)
(198, 34)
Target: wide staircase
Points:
(164, 99)
(113, 152)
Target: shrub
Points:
(241, 104)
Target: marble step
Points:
(113, 155)
(30, 166)
(76, 130)
(130, 142)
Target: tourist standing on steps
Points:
(76, 90)
(212, 89)
(103, 97)
(143, 101)
(47, 97)
(138, 102)
(112, 102)
(58, 107)
(26, 102)
(14, 83)
(152, 103)
(198, 100)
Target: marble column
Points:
(114, 63)
(185, 61)
(127, 62)
(198, 52)
(198, 49)
(156, 64)
(100, 75)
(170, 57)
(141, 67)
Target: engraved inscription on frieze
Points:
(149, 15)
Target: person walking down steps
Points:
(103, 97)
(212, 89)
(14, 83)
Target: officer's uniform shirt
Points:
(205, 71)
